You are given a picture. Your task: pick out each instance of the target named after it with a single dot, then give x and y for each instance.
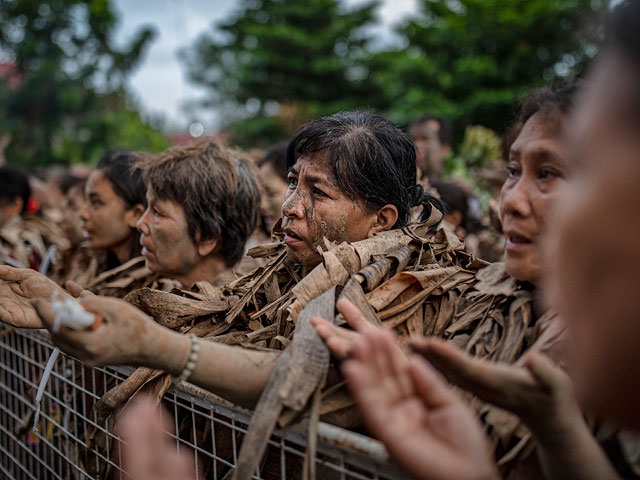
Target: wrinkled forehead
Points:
(315, 165)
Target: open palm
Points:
(18, 286)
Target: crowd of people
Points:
(436, 340)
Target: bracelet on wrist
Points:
(191, 360)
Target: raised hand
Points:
(18, 286)
(338, 339)
(540, 393)
(426, 427)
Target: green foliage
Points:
(302, 54)
(62, 97)
(470, 60)
(465, 60)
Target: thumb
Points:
(547, 374)
(45, 311)
(12, 274)
(75, 289)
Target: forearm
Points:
(234, 373)
(572, 453)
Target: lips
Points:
(516, 240)
(291, 237)
(87, 234)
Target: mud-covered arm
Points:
(129, 337)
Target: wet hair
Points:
(118, 166)
(622, 36)
(444, 132)
(453, 198)
(14, 183)
(373, 161)
(276, 156)
(217, 188)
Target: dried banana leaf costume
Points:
(414, 282)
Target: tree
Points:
(275, 63)
(64, 80)
(470, 60)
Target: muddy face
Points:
(315, 208)
(166, 244)
(537, 175)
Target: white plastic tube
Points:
(69, 313)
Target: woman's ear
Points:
(385, 219)
(206, 247)
(132, 215)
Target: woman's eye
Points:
(547, 173)
(512, 170)
(318, 192)
(292, 181)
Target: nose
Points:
(516, 198)
(83, 212)
(293, 206)
(142, 224)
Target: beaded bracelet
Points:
(191, 361)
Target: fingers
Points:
(352, 315)
(45, 311)
(12, 274)
(548, 375)
(502, 385)
(338, 339)
(75, 289)
(430, 385)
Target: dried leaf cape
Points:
(413, 281)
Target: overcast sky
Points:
(160, 84)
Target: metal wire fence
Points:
(73, 443)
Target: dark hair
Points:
(119, 167)
(216, 187)
(68, 181)
(444, 132)
(453, 198)
(559, 98)
(372, 159)
(276, 156)
(14, 183)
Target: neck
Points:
(208, 269)
(123, 250)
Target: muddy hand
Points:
(538, 391)
(121, 338)
(18, 286)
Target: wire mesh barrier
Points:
(73, 443)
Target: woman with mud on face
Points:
(352, 175)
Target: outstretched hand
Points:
(541, 394)
(18, 286)
(538, 391)
(121, 338)
(425, 426)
